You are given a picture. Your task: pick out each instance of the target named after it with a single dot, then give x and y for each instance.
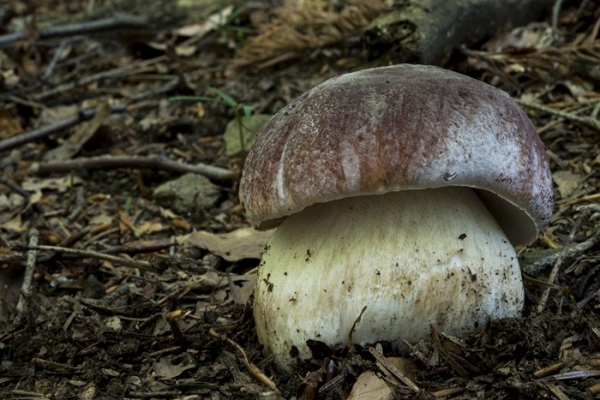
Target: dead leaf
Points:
(55, 114)
(566, 182)
(369, 386)
(165, 367)
(100, 219)
(14, 225)
(536, 35)
(11, 201)
(10, 78)
(148, 227)
(75, 142)
(210, 24)
(404, 365)
(247, 287)
(8, 125)
(61, 185)
(233, 246)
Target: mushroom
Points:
(400, 189)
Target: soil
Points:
(177, 322)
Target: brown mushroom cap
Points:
(399, 128)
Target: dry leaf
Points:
(369, 386)
(11, 201)
(247, 287)
(58, 184)
(8, 125)
(84, 132)
(237, 245)
(165, 367)
(148, 227)
(404, 365)
(210, 24)
(536, 35)
(566, 182)
(58, 113)
(100, 219)
(14, 225)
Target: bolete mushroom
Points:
(402, 189)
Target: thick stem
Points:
(414, 258)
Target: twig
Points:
(116, 72)
(109, 162)
(583, 374)
(395, 371)
(582, 303)
(128, 262)
(155, 91)
(83, 115)
(589, 197)
(25, 297)
(356, 322)
(118, 21)
(254, 370)
(555, 14)
(587, 121)
(572, 252)
(540, 373)
(28, 395)
(141, 247)
(559, 260)
(448, 392)
(57, 55)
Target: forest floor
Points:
(110, 290)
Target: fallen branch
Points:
(118, 21)
(109, 162)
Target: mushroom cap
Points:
(395, 128)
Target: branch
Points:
(118, 21)
(109, 162)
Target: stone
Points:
(187, 193)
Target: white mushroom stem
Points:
(414, 258)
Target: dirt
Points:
(181, 326)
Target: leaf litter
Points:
(129, 299)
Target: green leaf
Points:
(247, 110)
(128, 203)
(227, 99)
(236, 13)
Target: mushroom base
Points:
(413, 258)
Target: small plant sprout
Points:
(242, 111)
